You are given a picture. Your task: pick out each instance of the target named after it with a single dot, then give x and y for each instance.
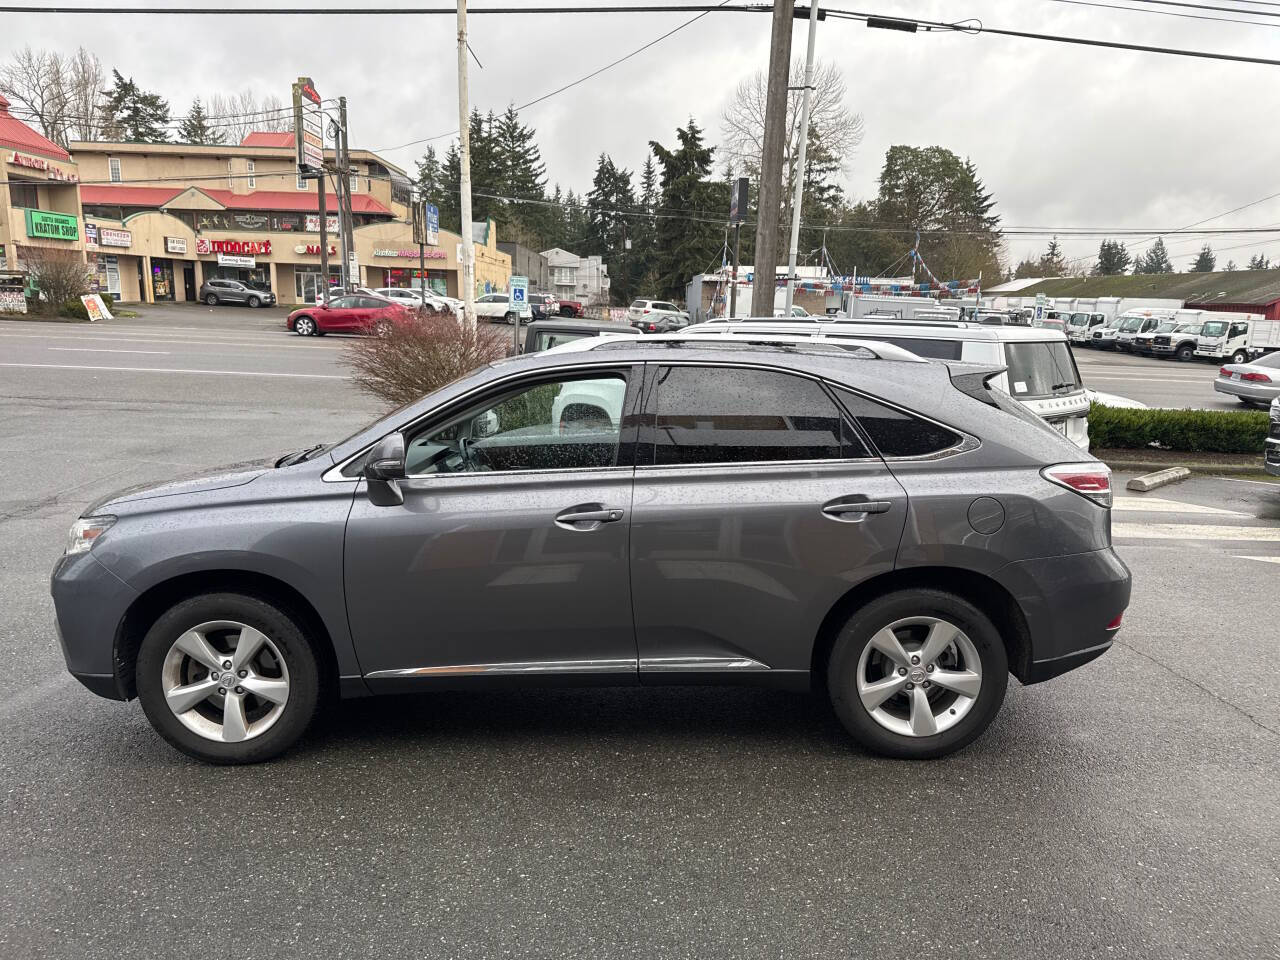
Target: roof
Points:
(1259, 287)
(869, 329)
(18, 136)
(265, 138)
(1013, 286)
(127, 196)
(303, 201)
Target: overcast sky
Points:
(1064, 136)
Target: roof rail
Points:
(878, 349)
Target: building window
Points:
(564, 276)
(354, 182)
(23, 195)
(231, 180)
(113, 165)
(252, 180)
(302, 184)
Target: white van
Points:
(1081, 325)
(1137, 322)
(1236, 336)
(1040, 370)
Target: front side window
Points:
(735, 415)
(566, 424)
(1042, 369)
(894, 432)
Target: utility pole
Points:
(468, 291)
(800, 159)
(775, 131)
(338, 174)
(348, 220)
(324, 240)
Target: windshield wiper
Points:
(290, 459)
(1065, 385)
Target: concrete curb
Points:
(1158, 479)
(1219, 469)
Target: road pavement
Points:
(1130, 808)
(1157, 383)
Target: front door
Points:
(189, 282)
(757, 507)
(508, 556)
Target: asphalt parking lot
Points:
(1131, 808)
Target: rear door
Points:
(757, 506)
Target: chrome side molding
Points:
(698, 664)
(515, 668)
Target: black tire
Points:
(842, 668)
(211, 299)
(511, 318)
(1186, 352)
(1240, 356)
(254, 302)
(304, 675)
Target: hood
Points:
(218, 478)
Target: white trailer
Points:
(855, 307)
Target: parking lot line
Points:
(183, 370)
(1157, 505)
(1263, 559)
(106, 350)
(1193, 531)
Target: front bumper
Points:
(1271, 458)
(1068, 603)
(90, 603)
(1250, 390)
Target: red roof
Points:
(261, 138)
(127, 196)
(17, 135)
(303, 201)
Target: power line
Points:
(595, 73)
(977, 27)
(386, 11)
(1207, 6)
(1165, 13)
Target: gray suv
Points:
(216, 291)
(659, 510)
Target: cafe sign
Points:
(239, 247)
(52, 226)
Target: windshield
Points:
(1191, 328)
(1214, 328)
(1131, 323)
(1079, 319)
(1043, 369)
(1166, 327)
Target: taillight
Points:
(1256, 377)
(1115, 624)
(1091, 479)
(646, 309)
(1224, 372)
(652, 327)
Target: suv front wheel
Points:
(228, 678)
(917, 674)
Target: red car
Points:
(348, 313)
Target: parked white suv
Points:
(495, 306)
(656, 316)
(411, 297)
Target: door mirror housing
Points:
(386, 459)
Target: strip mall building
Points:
(155, 220)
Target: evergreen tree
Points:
(523, 175)
(687, 247)
(450, 199)
(1230, 267)
(1155, 260)
(1260, 262)
(1027, 269)
(1204, 262)
(133, 115)
(195, 127)
(1052, 261)
(1113, 259)
(644, 232)
(608, 226)
(430, 180)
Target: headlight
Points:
(86, 531)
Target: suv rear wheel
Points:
(228, 678)
(917, 674)
(211, 299)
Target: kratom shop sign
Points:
(52, 226)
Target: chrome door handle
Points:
(860, 507)
(593, 517)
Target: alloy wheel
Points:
(225, 681)
(305, 327)
(919, 676)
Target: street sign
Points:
(519, 289)
(738, 201)
(1040, 306)
(419, 221)
(308, 129)
(433, 225)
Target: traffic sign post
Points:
(518, 302)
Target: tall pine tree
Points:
(686, 247)
(195, 127)
(609, 207)
(1205, 261)
(1113, 259)
(1155, 260)
(133, 115)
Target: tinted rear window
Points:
(895, 433)
(732, 415)
(1041, 369)
(924, 347)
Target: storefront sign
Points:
(31, 163)
(108, 237)
(313, 223)
(251, 247)
(250, 221)
(433, 224)
(109, 274)
(90, 234)
(308, 127)
(52, 226)
(231, 260)
(175, 244)
(96, 307)
(411, 254)
(314, 249)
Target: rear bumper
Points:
(1069, 603)
(1250, 390)
(1271, 458)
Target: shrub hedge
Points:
(74, 309)
(1188, 431)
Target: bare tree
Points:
(60, 275)
(742, 124)
(85, 81)
(240, 114)
(36, 81)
